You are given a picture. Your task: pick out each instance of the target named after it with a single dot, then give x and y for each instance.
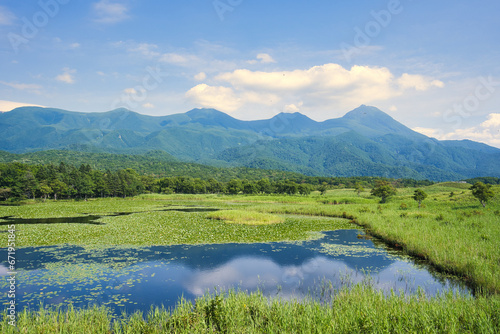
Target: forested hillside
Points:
(364, 142)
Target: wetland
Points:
(205, 257)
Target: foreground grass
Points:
(360, 310)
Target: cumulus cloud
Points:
(418, 82)
(291, 108)
(108, 12)
(67, 76)
(263, 58)
(200, 76)
(429, 132)
(148, 105)
(9, 105)
(487, 132)
(492, 122)
(327, 86)
(221, 98)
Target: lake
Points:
(130, 279)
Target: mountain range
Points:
(364, 142)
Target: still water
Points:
(130, 279)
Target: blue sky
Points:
(433, 66)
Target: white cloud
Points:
(9, 105)
(200, 76)
(221, 98)
(146, 49)
(179, 59)
(74, 45)
(108, 12)
(67, 76)
(320, 88)
(22, 86)
(7, 18)
(263, 58)
(292, 108)
(429, 132)
(130, 91)
(418, 82)
(487, 132)
(492, 122)
(148, 105)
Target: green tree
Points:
(249, 187)
(45, 190)
(323, 188)
(234, 186)
(482, 192)
(384, 190)
(305, 189)
(5, 193)
(214, 186)
(419, 195)
(265, 186)
(58, 187)
(358, 188)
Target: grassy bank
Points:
(451, 230)
(361, 310)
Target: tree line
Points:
(28, 181)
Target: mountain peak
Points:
(205, 113)
(364, 112)
(121, 110)
(373, 122)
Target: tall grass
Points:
(359, 310)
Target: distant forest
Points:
(65, 181)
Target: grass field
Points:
(451, 230)
(360, 310)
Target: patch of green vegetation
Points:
(150, 225)
(246, 217)
(359, 310)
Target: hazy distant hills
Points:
(364, 142)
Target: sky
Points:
(431, 65)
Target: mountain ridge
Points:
(365, 141)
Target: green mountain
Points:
(365, 142)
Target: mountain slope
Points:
(366, 141)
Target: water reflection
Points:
(135, 278)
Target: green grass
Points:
(246, 217)
(360, 310)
